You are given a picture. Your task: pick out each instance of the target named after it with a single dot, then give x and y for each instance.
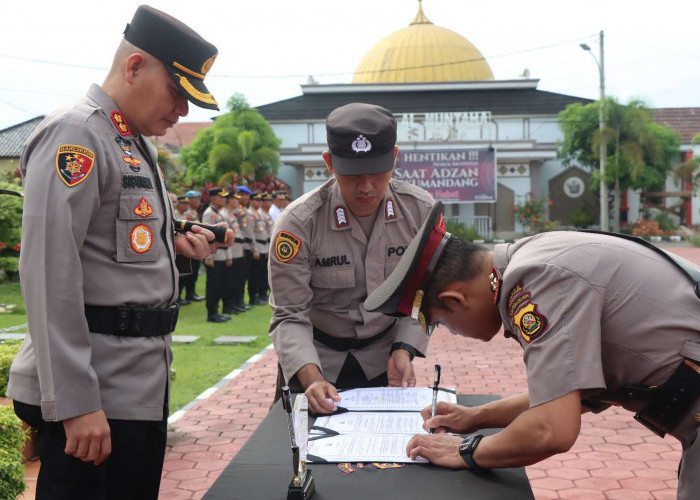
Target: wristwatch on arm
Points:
(467, 449)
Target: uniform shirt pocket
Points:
(138, 228)
(392, 256)
(329, 284)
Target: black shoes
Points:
(183, 302)
(218, 318)
(194, 298)
(257, 301)
(232, 310)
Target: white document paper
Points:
(373, 423)
(391, 398)
(376, 427)
(363, 448)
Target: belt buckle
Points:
(646, 423)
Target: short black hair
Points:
(461, 261)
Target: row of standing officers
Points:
(250, 216)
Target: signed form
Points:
(373, 425)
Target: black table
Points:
(262, 469)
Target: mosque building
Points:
(479, 144)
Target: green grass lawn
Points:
(199, 365)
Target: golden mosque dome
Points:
(423, 52)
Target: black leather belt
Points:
(130, 321)
(239, 240)
(348, 343)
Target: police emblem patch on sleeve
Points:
(141, 238)
(74, 163)
(287, 246)
(526, 315)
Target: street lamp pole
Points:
(604, 218)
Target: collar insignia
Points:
(341, 216)
(120, 123)
(143, 209)
(361, 144)
(495, 283)
(390, 209)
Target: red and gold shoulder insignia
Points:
(143, 209)
(74, 163)
(134, 163)
(120, 123)
(141, 238)
(287, 246)
(341, 216)
(390, 209)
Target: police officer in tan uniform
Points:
(189, 281)
(219, 262)
(261, 244)
(245, 239)
(99, 271)
(264, 211)
(603, 319)
(333, 246)
(236, 255)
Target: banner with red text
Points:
(451, 176)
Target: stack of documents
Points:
(372, 425)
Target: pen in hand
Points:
(436, 382)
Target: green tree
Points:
(640, 151)
(10, 226)
(240, 142)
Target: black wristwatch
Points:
(467, 448)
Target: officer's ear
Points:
(453, 298)
(134, 64)
(327, 158)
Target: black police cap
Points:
(361, 139)
(218, 192)
(185, 54)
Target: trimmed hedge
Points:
(8, 351)
(11, 442)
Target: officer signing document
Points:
(332, 247)
(98, 269)
(602, 320)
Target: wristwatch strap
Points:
(466, 450)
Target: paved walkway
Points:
(614, 457)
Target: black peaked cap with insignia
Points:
(218, 191)
(361, 139)
(402, 293)
(185, 54)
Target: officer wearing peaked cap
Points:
(219, 262)
(602, 318)
(333, 246)
(93, 374)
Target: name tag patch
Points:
(74, 163)
(334, 261)
(136, 182)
